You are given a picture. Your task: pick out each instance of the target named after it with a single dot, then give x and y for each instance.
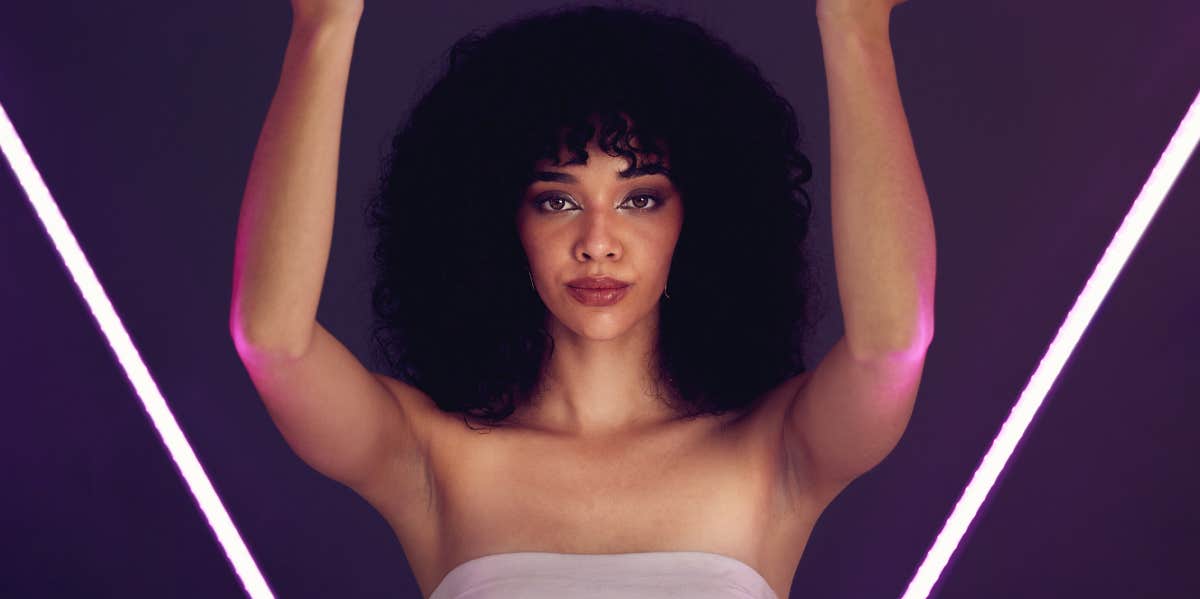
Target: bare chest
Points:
(701, 487)
(601, 501)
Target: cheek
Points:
(536, 243)
(528, 235)
(667, 237)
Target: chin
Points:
(603, 331)
(600, 324)
(597, 326)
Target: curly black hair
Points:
(740, 281)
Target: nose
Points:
(597, 239)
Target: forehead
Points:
(612, 139)
(622, 172)
(626, 164)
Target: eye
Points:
(639, 201)
(556, 203)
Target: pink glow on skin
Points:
(1153, 192)
(131, 362)
(1161, 179)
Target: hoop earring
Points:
(665, 294)
(531, 280)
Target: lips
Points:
(598, 297)
(597, 283)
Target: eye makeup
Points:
(650, 201)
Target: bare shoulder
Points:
(763, 426)
(765, 419)
(417, 405)
(404, 492)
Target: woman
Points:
(590, 243)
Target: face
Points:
(587, 220)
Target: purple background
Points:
(1036, 124)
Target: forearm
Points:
(884, 247)
(286, 221)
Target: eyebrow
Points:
(631, 173)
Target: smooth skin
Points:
(599, 224)
(616, 473)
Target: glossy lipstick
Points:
(597, 291)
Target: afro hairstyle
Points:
(443, 210)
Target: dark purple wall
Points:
(1036, 124)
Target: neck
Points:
(600, 387)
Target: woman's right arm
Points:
(360, 428)
(286, 221)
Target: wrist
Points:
(319, 23)
(871, 25)
(322, 31)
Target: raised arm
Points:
(856, 403)
(286, 220)
(350, 424)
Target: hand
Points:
(319, 10)
(856, 11)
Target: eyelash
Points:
(657, 201)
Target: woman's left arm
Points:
(883, 236)
(848, 412)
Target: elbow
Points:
(249, 341)
(909, 342)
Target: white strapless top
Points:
(644, 575)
